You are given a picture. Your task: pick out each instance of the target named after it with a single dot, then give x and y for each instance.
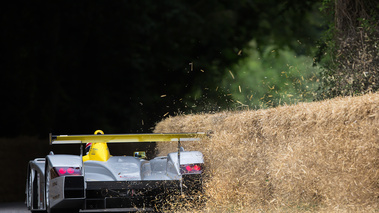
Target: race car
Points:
(100, 182)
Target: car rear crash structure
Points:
(100, 182)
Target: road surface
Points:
(18, 207)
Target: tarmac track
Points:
(18, 207)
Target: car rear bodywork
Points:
(104, 182)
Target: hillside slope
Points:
(320, 156)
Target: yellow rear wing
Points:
(125, 138)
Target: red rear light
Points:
(66, 171)
(188, 168)
(70, 171)
(197, 167)
(61, 171)
(191, 169)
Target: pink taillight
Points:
(191, 169)
(70, 171)
(61, 171)
(197, 167)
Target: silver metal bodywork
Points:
(119, 182)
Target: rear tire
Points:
(63, 211)
(48, 209)
(193, 191)
(34, 192)
(192, 184)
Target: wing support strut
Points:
(181, 179)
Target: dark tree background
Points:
(71, 67)
(76, 66)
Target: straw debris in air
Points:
(320, 156)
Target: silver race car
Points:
(99, 182)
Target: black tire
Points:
(63, 210)
(48, 209)
(34, 194)
(39, 211)
(47, 174)
(192, 184)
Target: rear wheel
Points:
(33, 191)
(63, 211)
(47, 184)
(29, 191)
(176, 201)
(192, 184)
(193, 191)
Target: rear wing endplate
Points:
(125, 138)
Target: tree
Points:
(72, 67)
(350, 48)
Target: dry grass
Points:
(319, 156)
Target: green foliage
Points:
(348, 50)
(273, 78)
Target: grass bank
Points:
(320, 156)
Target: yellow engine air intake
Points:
(98, 151)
